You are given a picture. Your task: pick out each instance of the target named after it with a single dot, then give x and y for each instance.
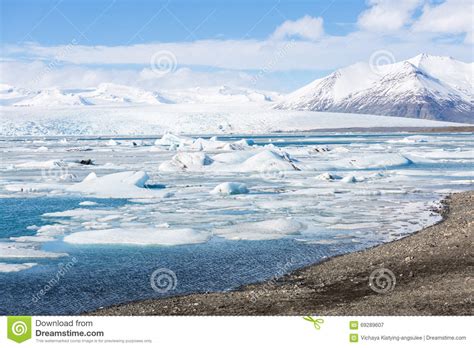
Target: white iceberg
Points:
(118, 185)
(268, 161)
(193, 161)
(170, 139)
(230, 188)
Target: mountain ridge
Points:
(427, 87)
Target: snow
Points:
(109, 94)
(230, 188)
(456, 74)
(15, 267)
(137, 236)
(52, 97)
(419, 87)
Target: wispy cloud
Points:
(388, 15)
(403, 27)
(450, 17)
(307, 27)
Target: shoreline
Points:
(432, 268)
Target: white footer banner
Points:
(310, 331)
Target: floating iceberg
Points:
(118, 185)
(193, 161)
(230, 188)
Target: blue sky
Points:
(118, 22)
(267, 44)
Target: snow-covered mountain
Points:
(220, 94)
(109, 93)
(52, 97)
(117, 95)
(428, 87)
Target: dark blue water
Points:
(105, 275)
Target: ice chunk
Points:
(186, 161)
(25, 250)
(33, 239)
(139, 236)
(349, 179)
(261, 230)
(267, 161)
(118, 185)
(207, 145)
(87, 203)
(411, 139)
(379, 161)
(232, 157)
(170, 139)
(230, 188)
(15, 267)
(42, 164)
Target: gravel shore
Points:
(432, 269)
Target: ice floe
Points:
(15, 267)
(137, 236)
(261, 230)
(230, 188)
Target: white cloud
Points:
(328, 53)
(251, 63)
(38, 75)
(388, 15)
(449, 17)
(307, 27)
